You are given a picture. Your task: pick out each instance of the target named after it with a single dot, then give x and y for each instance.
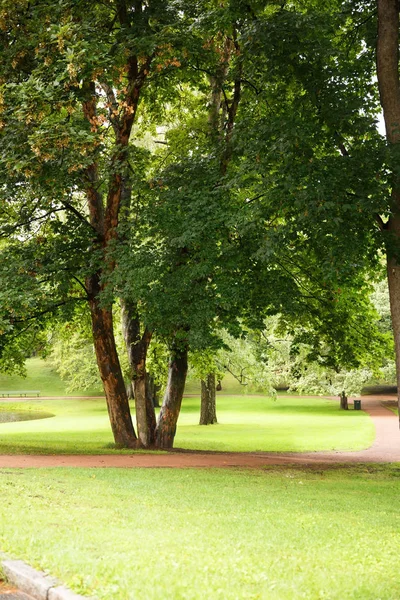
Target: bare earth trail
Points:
(386, 448)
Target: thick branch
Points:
(113, 108)
(76, 212)
(95, 201)
(29, 221)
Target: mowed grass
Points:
(222, 534)
(41, 376)
(287, 424)
(246, 423)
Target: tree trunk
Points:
(111, 376)
(152, 391)
(171, 406)
(137, 346)
(104, 220)
(129, 390)
(387, 60)
(208, 411)
(150, 412)
(393, 271)
(343, 401)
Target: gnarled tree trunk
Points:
(137, 346)
(208, 411)
(171, 406)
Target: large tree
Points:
(72, 79)
(249, 196)
(240, 213)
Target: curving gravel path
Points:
(386, 448)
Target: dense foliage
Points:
(205, 164)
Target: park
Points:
(238, 530)
(199, 299)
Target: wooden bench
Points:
(19, 393)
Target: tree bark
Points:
(171, 406)
(111, 375)
(137, 346)
(104, 218)
(344, 405)
(393, 273)
(208, 411)
(387, 59)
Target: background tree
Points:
(204, 367)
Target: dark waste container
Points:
(357, 404)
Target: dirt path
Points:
(386, 448)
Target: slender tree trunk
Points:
(344, 405)
(111, 376)
(387, 59)
(208, 411)
(137, 346)
(152, 391)
(171, 406)
(129, 390)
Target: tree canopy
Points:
(206, 164)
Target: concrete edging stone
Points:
(37, 584)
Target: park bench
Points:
(20, 393)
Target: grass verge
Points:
(190, 534)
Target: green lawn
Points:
(220, 534)
(43, 377)
(257, 423)
(246, 423)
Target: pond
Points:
(8, 416)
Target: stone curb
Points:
(37, 584)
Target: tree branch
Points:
(76, 212)
(49, 310)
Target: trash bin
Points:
(357, 404)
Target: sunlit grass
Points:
(41, 376)
(251, 423)
(142, 534)
(246, 423)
